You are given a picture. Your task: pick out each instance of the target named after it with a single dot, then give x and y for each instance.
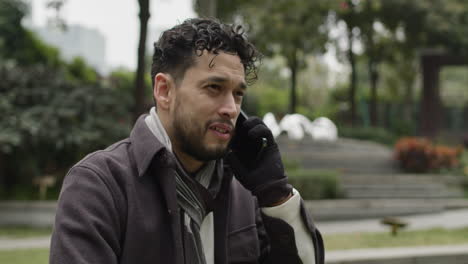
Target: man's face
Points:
(206, 105)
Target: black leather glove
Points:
(259, 168)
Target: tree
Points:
(405, 20)
(206, 8)
(435, 27)
(291, 29)
(378, 26)
(378, 43)
(53, 111)
(225, 10)
(19, 44)
(50, 122)
(139, 95)
(347, 12)
(139, 82)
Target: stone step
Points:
(400, 178)
(349, 209)
(347, 165)
(453, 254)
(346, 155)
(430, 187)
(352, 167)
(340, 144)
(401, 194)
(401, 186)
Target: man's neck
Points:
(189, 164)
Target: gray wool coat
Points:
(119, 205)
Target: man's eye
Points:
(214, 87)
(239, 94)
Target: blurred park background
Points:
(391, 74)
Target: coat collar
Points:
(144, 145)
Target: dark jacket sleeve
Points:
(87, 227)
(281, 244)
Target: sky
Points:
(117, 20)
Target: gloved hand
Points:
(259, 169)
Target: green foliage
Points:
(291, 164)
(290, 29)
(313, 184)
(24, 232)
(271, 99)
(464, 162)
(393, 33)
(123, 81)
(225, 10)
(42, 107)
(25, 256)
(50, 122)
(435, 24)
(53, 112)
(77, 71)
(283, 27)
(453, 84)
(32, 50)
(11, 14)
(269, 92)
(19, 44)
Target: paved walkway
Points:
(448, 219)
(404, 255)
(410, 254)
(24, 243)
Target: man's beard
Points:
(189, 136)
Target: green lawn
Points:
(332, 242)
(23, 232)
(437, 236)
(25, 256)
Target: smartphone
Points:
(258, 150)
(241, 118)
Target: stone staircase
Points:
(368, 173)
(346, 155)
(401, 186)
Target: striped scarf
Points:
(195, 195)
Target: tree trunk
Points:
(2, 173)
(353, 79)
(430, 98)
(144, 16)
(409, 100)
(374, 76)
(207, 8)
(293, 65)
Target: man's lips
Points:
(221, 127)
(222, 130)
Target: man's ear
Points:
(163, 90)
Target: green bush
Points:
(464, 162)
(316, 184)
(48, 123)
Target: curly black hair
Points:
(177, 47)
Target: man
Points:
(188, 185)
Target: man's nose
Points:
(229, 107)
